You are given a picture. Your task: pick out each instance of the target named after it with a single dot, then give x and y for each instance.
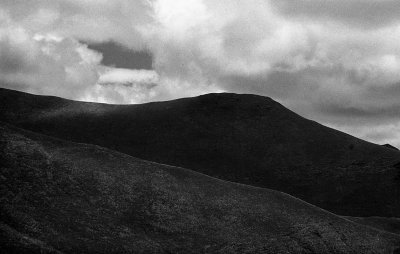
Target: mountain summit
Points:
(240, 138)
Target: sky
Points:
(333, 61)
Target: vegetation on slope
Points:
(77, 198)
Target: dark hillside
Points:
(242, 138)
(64, 197)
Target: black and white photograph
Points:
(200, 126)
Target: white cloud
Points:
(127, 76)
(45, 65)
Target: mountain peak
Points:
(242, 138)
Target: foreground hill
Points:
(242, 138)
(59, 197)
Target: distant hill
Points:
(62, 197)
(241, 138)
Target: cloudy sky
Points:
(334, 61)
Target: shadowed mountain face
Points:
(62, 197)
(242, 138)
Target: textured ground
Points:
(241, 138)
(387, 224)
(59, 196)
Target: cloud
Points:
(366, 14)
(44, 64)
(335, 61)
(118, 85)
(127, 76)
(122, 57)
(88, 20)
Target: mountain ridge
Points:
(241, 138)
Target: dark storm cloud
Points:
(116, 55)
(376, 113)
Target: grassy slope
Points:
(88, 199)
(242, 138)
(12, 241)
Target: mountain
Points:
(63, 197)
(244, 138)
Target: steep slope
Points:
(75, 198)
(242, 138)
